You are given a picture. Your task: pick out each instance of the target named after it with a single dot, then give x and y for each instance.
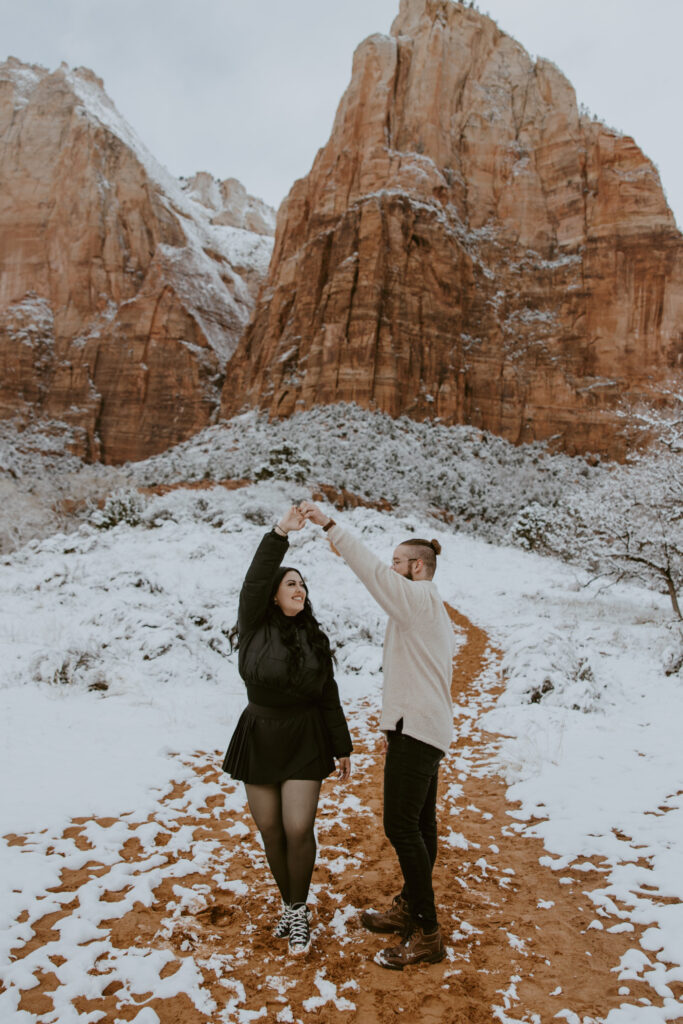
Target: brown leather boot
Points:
(416, 948)
(396, 919)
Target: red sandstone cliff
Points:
(468, 246)
(121, 298)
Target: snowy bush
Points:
(550, 668)
(285, 462)
(25, 514)
(531, 526)
(547, 530)
(124, 506)
(83, 669)
(672, 659)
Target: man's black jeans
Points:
(411, 773)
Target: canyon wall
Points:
(122, 296)
(469, 246)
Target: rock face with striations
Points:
(120, 301)
(469, 246)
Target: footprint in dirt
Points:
(218, 915)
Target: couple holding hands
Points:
(293, 727)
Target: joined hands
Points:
(311, 512)
(296, 517)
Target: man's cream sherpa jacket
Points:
(419, 645)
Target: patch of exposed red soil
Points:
(194, 485)
(518, 936)
(340, 498)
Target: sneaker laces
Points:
(282, 927)
(299, 929)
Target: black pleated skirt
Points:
(271, 745)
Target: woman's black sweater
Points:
(263, 658)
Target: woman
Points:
(286, 739)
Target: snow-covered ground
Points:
(116, 668)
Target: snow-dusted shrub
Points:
(525, 756)
(24, 515)
(672, 659)
(71, 667)
(539, 528)
(550, 668)
(124, 506)
(183, 505)
(530, 527)
(205, 507)
(559, 530)
(285, 462)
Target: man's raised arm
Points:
(399, 598)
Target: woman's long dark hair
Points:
(290, 626)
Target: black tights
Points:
(284, 814)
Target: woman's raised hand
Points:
(293, 519)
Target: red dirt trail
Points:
(519, 945)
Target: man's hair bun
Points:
(427, 550)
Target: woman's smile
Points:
(291, 594)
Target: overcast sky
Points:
(248, 88)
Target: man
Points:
(417, 718)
